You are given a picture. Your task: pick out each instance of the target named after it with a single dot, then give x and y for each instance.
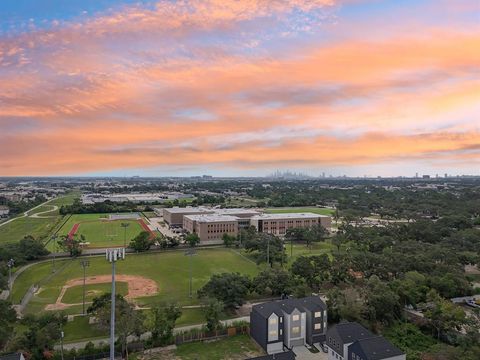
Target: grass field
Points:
(315, 210)
(235, 347)
(169, 270)
(99, 232)
(39, 228)
(75, 293)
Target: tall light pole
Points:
(125, 226)
(84, 264)
(190, 253)
(10, 265)
(113, 255)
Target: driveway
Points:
(304, 354)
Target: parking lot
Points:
(304, 354)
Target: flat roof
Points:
(179, 210)
(211, 218)
(282, 216)
(236, 211)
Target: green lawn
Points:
(40, 228)
(80, 329)
(170, 270)
(101, 233)
(315, 210)
(235, 347)
(74, 295)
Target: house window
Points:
(281, 319)
(295, 317)
(281, 331)
(296, 330)
(272, 333)
(318, 326)
(318, 314)
(273, 321)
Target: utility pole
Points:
(84, 264)
(62, 335)
(125, 226)
(113, 255)
(10, 264)
(190, 253)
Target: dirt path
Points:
(40, 215)
(138, 286)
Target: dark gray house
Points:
(280, 325)
(13, 356)
(351, 341)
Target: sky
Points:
(239, 87)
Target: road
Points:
(38, 215)
(25, 214)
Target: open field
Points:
(235, 347)
(73, 294)
(101, 232)
(168, 270)
(315, 210)
(38, 227)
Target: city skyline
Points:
(239, 88)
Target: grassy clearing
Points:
(170, 270)
(80, 329)
(73, 294)
(101, 233)
(315, 210)
(40, 228)
(235, 347)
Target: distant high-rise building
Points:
(446, 175)
(416, 175)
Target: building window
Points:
(318, 326)
(281, 331)
(295, 317)
(273, 321)
(272, 333)
(318, 314)
(296, 330)
(281, 318)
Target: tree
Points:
(345, 304)
(8, 317)
(192, 239)
(71, 244)
(274, 282)
(443, 314)
(229, 288)
(141, 242)
(228, 240)
(212, 310)
(266, 247)
(315, 233)
(161, 322)
(382, 303)
(314, 269)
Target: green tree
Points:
(212, 310)
(141, 242)
(314, 269)
(383, 304)
(273, 281)
(229, 288)
(161, 322)
(8, 317)
(192, 239)
(228, 240)
(443, 315)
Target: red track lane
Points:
(73, 231)
(146, 228)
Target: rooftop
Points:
(377, 348)
(288, 305)
(350, 332)
(211, 218)
(288, 216)
(180, 210)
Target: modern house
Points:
(278, 326)
(351, 341)
(13, 356)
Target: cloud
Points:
(181, 84)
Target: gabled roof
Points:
(289, 305)
(349, 332)
(289, 355)
(13, 356)
(376, 348)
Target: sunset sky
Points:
(227, 87)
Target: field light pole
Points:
(113, 255)
(125, 226)
(190, 253)
(84, 264)
(10, 264)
